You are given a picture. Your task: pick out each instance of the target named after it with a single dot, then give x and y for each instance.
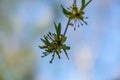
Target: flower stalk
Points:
(67, 26)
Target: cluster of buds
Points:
(54, 43)
(76, 15)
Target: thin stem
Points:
(74, 3)
(67, 26)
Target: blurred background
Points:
(95, 48)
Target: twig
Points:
(67, 26)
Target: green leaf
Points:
(45, 54)
(49, 50)
(84, 4)
(67, 47)
(63, 47)
(88, 3)
(59, 29)
(42, 47)
(63, 39)
(58, 54)
(46, 40)
(66, 12)
(55, 27)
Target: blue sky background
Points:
(95, 48)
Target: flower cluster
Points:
(75, 14)
(54, 43)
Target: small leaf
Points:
(59, 29)
(67, 47)
(58, 54)
(49, 50)
(63, 47)
(46, 40)
(45, 54)
(42, 47)
(88, 3)
(84, 4)
(66, 12)
(55, 27)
